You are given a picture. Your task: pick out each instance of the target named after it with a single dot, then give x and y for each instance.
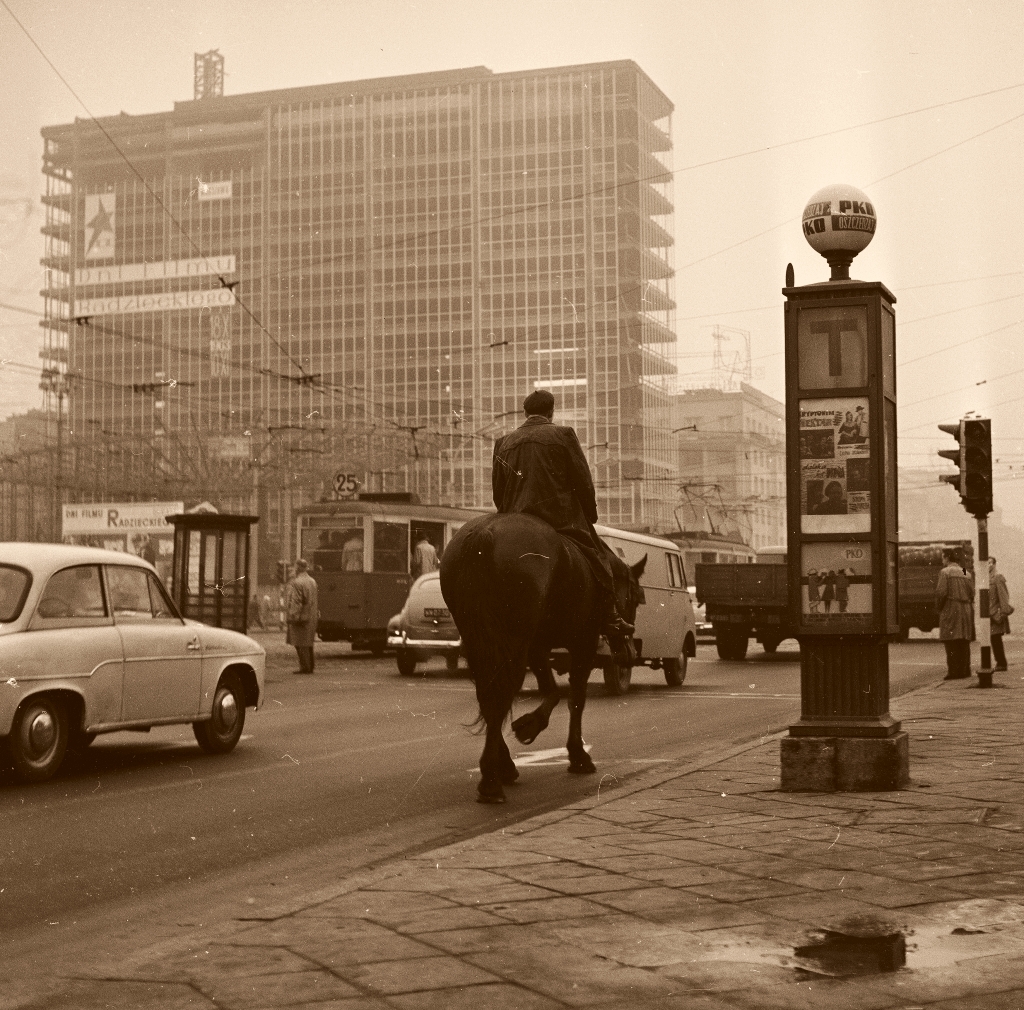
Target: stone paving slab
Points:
(702, 888)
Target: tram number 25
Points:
(346, 483)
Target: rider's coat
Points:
(540, 468)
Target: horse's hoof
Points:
(582, 767)
(490, 792)
(525, 729)
(490, 797)
(509, 776)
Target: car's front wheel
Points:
(675, 669)
(39, 738)
(220, 733)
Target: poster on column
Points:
(835, 583)
(835, 462)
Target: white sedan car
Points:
(90, 643)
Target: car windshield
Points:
(14, 584)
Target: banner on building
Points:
(215, 190)
(100, 216)
(220, 345)
(835, 461)
(162, 302)
(165, 270)
(118, 517)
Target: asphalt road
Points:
(338, 772)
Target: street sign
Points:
(346, 484)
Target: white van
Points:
(666, 634)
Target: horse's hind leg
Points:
(579, 759)
(496, 765)
(529, 726)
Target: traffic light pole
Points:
(985, 669)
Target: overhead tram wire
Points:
(306, 379)
(417, 236)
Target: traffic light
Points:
(977, 455)
(974, 458)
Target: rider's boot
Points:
(612, 626)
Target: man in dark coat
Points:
(999, 611)
(954, 599)
(303, 614)
(540, 469)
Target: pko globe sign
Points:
(838, 222)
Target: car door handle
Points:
(194, 645)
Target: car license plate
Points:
(436, 612)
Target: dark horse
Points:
(516, 590)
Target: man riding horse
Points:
(540, 469)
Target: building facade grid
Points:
(410, 258)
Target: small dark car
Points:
(424, 628)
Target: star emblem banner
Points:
(100, 211)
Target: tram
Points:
(701, 548)
(361, 553)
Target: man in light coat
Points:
(303, 613)
(954, 600)
(999, 611)
(424, 556)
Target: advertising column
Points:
(842, 511)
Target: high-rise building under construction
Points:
(250, 294)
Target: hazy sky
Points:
(920, 105)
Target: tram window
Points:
(334, 550)
(391, 547)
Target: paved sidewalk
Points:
(699, 888)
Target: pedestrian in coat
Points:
(424, 556)
(540, 469)
(954, 600)
(303, 613)
(999, 611)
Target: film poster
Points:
(835, 460)
(835, 583)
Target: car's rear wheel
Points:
(39, 738)
(617, 677)
(675, 669)
(731, 644)
(452, 662)
(406, 661)
(220, 733)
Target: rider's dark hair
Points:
(540, 401)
